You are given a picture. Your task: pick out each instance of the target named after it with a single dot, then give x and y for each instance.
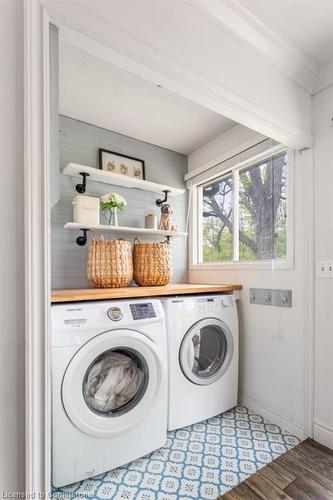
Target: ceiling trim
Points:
(165, 71)
(325, 77)
(233, 17)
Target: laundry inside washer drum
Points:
(115, 382)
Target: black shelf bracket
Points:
(159, 202)
(81, 188)
(82, 240)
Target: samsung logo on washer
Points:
(74, 309)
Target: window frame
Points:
(196, 247)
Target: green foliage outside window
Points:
(261, 209)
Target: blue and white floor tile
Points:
(201, 461)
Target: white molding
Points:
(309, 344)
(254, 265)
(288, 59)
(270, 414)
(37, 289)
(325, 77)
(259, 156)
(323, 433)
(194, 232)
(243, 146)
(187, 83)
(291, 61)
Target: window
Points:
(242, 215)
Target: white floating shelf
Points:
(75, 226)
(96, 174)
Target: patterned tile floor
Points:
(201, 461)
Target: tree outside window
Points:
(261, 207)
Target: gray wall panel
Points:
(79, 143)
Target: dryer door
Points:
(206, 351)
(112, 382)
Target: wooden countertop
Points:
(83, 294)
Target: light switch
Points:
(325, 269)
(330, 269)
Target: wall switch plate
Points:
(324, 269)
(270, 297)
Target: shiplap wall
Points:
(79, 143)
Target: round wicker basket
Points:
(152, 263)
(110, 263)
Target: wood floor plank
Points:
(312, 459)
(308, 490)
(307, 475)
(303, 473)
(265, 488)
(307, 466)
(325, 455)
(327, 452)
(241, 492)
(277, 475)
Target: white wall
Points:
(11, 249)
(323, 164)
(272, 339)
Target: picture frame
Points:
(121, 164)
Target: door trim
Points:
(37, 251)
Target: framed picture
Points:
(121, 164)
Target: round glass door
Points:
(112, 382)
(206, 351)
(115, 382)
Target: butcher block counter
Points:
(83, 294)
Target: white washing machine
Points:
(202, 338)
(109, 385)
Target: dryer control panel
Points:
(142, 310)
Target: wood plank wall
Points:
(79, 142)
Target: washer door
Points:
(206, 351)
(112, 382)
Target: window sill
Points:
(265, 265)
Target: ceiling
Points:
(95, 91)
(306, 24)
(207, 53)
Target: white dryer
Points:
(202, 338)
(109, 386)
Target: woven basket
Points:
(110, 263)
(152, 263)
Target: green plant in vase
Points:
(110, 203)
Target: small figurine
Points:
(166, 221)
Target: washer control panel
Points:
(115, 313)
(142, 310)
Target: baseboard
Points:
(323, 434)
(272, 416)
